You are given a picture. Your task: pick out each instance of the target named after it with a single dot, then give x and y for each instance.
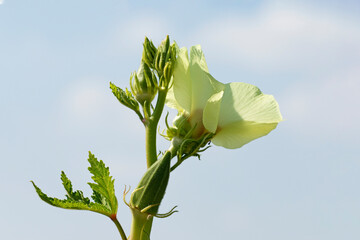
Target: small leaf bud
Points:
(125, 97)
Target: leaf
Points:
(104, 199)
(77, 195)
(104, 190)
(70, 204)
(124, 97)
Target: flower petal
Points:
(203, 84)
(171, 101)
(245, 102)
(182, 88)
(197, 57)
(245, 114)
(211, 112)
(237, 134)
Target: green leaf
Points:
(125, 97)
(104, 199)
(104, 190)
(77, 196)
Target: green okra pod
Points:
(151, 189)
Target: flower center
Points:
(195, 119)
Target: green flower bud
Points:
(164, 64)
(168, 71)
(149, 52)
(147, 197)
(163, 55)
(143, 84)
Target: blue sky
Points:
(301, 182)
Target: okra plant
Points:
(228, 115)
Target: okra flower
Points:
(236, 113)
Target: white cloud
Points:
(87, 105)
(84, 99)
(281, 38)
(129, 34)
(329, 107)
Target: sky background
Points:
(301, 182)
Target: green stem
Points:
(150, 144)
(138, 223)
(175, 165)
(151, 129)
(146, 108)
(139, 115)
(159, 105)
(147, 229)
(119, 227)
(148, 225)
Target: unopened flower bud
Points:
(143, 84)
(149, 52)
(168, 71)
(162, 55)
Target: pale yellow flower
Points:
(236, 113)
